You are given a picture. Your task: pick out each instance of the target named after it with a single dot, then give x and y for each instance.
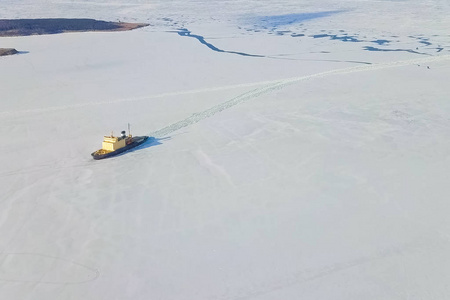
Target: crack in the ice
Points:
(201, 39)
(370, 48)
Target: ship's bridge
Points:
(112, 143)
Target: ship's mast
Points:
(129, 130)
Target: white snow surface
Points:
(317, 170)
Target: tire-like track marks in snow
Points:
(122, 100)
(268, 87)
(197, 117)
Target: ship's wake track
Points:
(197, 117)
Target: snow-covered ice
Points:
(300, 151)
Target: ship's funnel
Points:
(124, 134)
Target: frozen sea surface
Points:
(315, 170)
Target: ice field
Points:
(299, 150)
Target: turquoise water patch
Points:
(381, 42)
(289, 19)
(343, 38)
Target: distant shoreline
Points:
(8, 51)
(26, 27)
